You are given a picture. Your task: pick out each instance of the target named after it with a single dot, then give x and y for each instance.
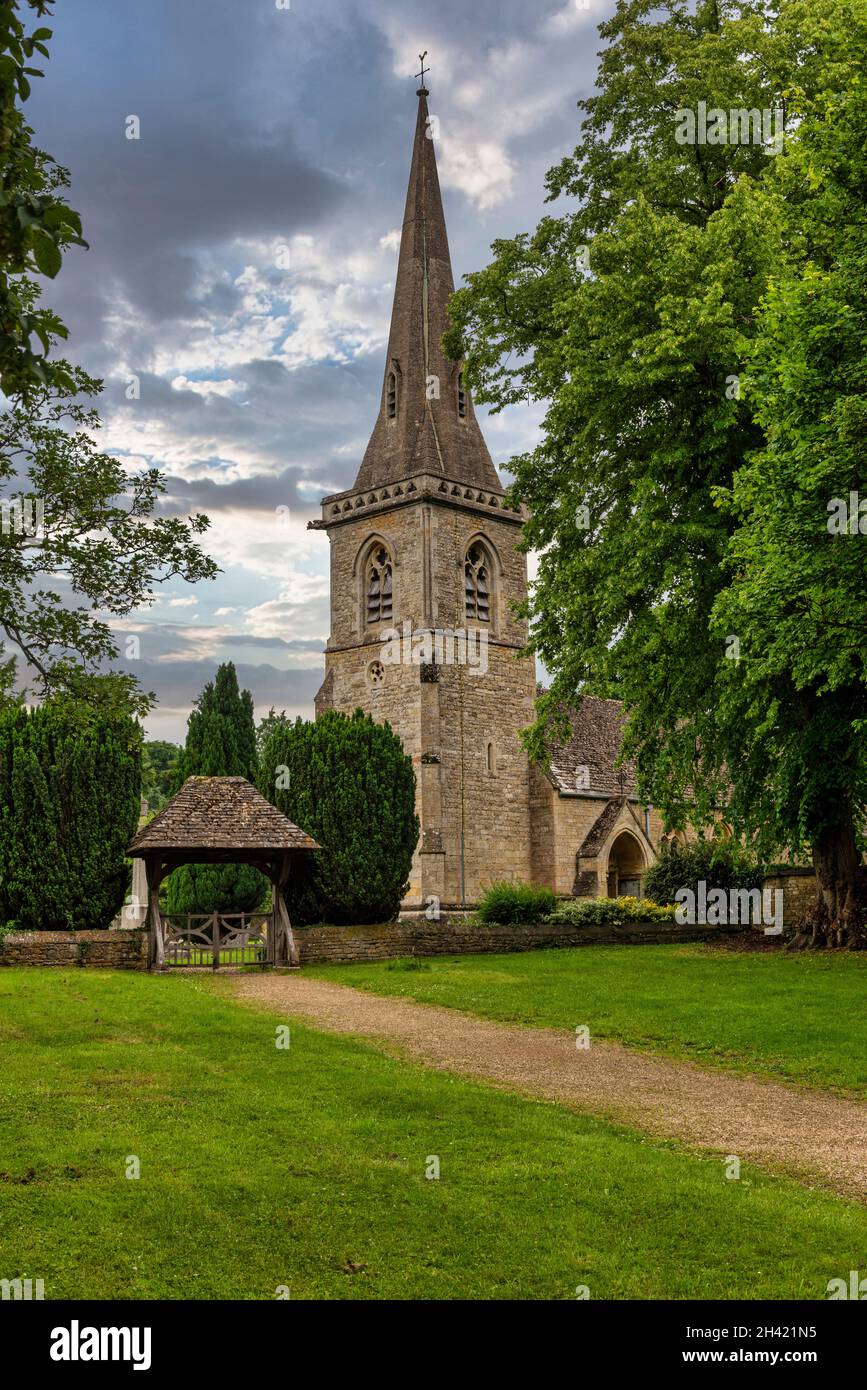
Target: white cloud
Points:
(224, 387)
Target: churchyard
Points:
(180, 1142)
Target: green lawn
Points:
(262, 1167)
(791, 1015)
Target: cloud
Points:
(243, 257)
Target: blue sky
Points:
(242, 259)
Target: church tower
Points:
(424, 571)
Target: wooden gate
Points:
(218, 938)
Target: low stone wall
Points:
(799, 889)
(454, 938)
(127, 950)
(115, 950)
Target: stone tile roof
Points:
(219, 813)
(427, 435)
(597, 735)
(598, 832)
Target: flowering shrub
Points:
(610, 912)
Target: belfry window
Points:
(380, 605)
(478, 584)
(462, 397)
(391, 396)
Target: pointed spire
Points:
(426, 421)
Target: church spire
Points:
(426, 421)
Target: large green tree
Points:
(69, 805)
(221, 742)
(36, 224)
(349, 784)
(632, 317)
(792, 716)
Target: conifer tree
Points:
(69, 804)
(349, 784)
(221, 742)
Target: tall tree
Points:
(36, 225)
(632, 319)
(221, 742)
(792, 717)
(69, 804)
(349, 784)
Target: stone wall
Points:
(116, 950)
(127, 950)
(799, 888)
(347, 944)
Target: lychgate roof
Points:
(219, 813)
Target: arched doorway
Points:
(626, 865)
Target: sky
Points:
(241, 264)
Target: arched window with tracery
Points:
(379, 587)
(477, 584)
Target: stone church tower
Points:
(423, 574)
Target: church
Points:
(424, 575)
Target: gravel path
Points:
(804, 1133)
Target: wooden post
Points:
(287, 951)
(155, 872)
(215, 941)
(283, 951)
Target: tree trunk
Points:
(838, 915)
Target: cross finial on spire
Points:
(422, 91)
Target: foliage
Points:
(349, 784)
(98, 540)
(9, 696)
(36, 224)
(69, 804)
(266, 727)
(515, 903)
(640, 320)
(159, 764)
(609, 912)
(717, 863)
(221, 742)
(792, 711)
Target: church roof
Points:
(425, 435)
(586, 761)
(600, 830)
(219, 814)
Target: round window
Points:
(375, 673)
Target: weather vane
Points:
(421, 74)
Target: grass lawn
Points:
(787, 1015)
(306, 1168)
